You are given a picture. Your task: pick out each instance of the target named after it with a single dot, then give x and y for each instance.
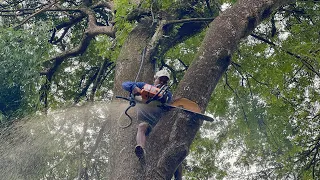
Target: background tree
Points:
(264, 110)
(20, 54)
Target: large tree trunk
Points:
(123, 162)
(169, 142)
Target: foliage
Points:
(76, 75)
(266, 105)
(180, 57)
(21, 54)
(271, 94)
(123, 26)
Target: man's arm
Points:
(133, 87)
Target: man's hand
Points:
(136, 91)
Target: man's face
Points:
(160, 81)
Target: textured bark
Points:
(169, 142)
(123, 162)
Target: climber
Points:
(148, 113)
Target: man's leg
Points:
(141, 134)
(141, 139)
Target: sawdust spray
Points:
(49, 146)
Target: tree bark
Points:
(123, 162)
(168, 143)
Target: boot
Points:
(140, 152)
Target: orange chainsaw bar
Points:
(190, 107)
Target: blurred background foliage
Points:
(21, 54)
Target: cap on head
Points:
(162, 73)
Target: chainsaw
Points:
(151, 93)
(148, 94)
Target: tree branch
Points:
(238, 97)
(86, 87)
(34, 14)
(66, 26)
(22, 10)
(209, 7)
(191, 20)
(107, 74)
(183, 64)
(98, 81)
(302, 59)
(90, 33)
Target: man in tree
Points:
(149, 113)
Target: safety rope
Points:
(123, 126)
(131, 97)
(141, 63)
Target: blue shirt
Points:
(129, 86)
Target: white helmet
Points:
(162, 73)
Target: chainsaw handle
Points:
(125, 98)
(130, 99)
(156, 95)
